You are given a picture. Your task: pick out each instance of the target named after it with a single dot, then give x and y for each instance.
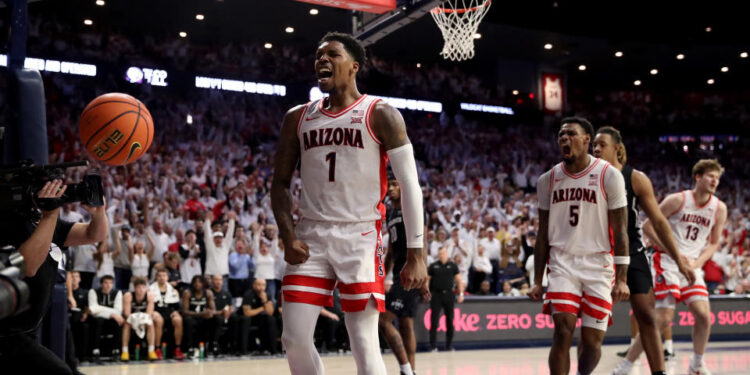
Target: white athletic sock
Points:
(150, 348)
(696, 360)
(362, 327)
(124, 349)
(406, 369)
(297, 338)
(669, 346)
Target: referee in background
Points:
(443, 274)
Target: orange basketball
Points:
(116, 129)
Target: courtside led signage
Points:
(400, 103)
(55, 66)
(239, 86)
(487, 108)
(155, 77)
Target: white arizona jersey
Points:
(343, 165)
(578, 205)
(691, 224)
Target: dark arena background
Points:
(218, 76)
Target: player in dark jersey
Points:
(608, 145)
(398, 301)
(138, 301)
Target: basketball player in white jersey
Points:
(580, 199)
(696, 218)
(342, 144)
(608, 145)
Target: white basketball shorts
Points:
(581, 285)
(670, 286)
(348, 254)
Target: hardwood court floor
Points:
(721, 358)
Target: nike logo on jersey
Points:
(366, 233)
(419, 235)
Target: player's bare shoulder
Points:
(388, 125)
(672, 204)
(722, 207)
(292, 116)
(641, 183)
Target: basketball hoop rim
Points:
(438, 10)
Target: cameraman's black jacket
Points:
(41, 284)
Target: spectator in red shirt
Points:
(193, 205)
(179, 236)
(713, 274)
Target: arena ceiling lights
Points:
(55, 66)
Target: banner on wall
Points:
(495, 320)
(553, 92)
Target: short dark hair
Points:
(197, 278)
(585, 124)
(139, 281)
(351, 45)
(107, 277)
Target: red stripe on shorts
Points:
(354, 305)
(315, 282)
(685, 296)
(592, 312)
(693, 290)
(598, 301)
(661, 287)
(559, 307)
(562, 295)
(359, 288)
(308, 297)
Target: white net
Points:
(458, 21)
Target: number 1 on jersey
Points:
(331, 159)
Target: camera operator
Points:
(39, 242)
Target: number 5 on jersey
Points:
(574, 215)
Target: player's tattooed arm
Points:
(285, 162)
(389, 126)
(390, 130)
